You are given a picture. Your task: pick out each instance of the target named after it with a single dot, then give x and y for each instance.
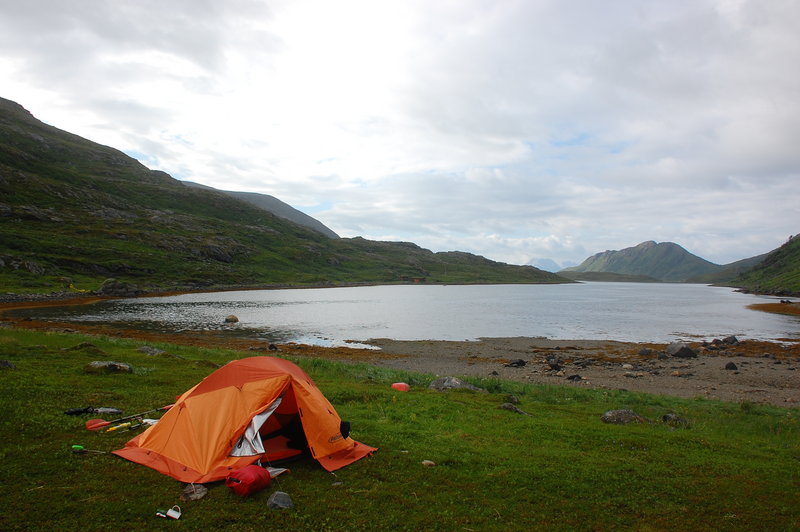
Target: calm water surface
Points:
(330, 316)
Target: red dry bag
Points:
(248, 480)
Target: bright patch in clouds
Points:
(515, 130)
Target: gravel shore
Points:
(765, 372)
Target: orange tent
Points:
(259, 408)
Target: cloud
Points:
(511, 129)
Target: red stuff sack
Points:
(248, 480)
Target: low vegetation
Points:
(779, 273)
(733, 467)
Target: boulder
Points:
(444, 384)
(730, 340)
(622, 417)
(554, 363)
(231, 319)
(113, 287)
(731, 366)
(518, 363)
(7, 364)
(107, 366)
(681, 350)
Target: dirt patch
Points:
(792, 309)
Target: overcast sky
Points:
(517, 130)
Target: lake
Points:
(638, 312)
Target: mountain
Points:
(607, 277)
(665, 261)
(275, 206)
(548, 265)
(74, 213)
(778, 273)
(728, 272)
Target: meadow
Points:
(732, 466)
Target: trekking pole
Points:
(96, 424)
(80, 449)
(126, 425)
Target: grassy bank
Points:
(735, 467)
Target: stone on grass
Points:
(193, 492)
(280, 501)
(7, 364)
(622, 417)
(513, 408)
(107, 366)
(674, 420)
(150, 351)
(453, 383)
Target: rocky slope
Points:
(74, 213)
(276, 207)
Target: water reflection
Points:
(333, 316)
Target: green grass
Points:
(779, 273)
(736, 467)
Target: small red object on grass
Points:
(248, 480)
(401, 386)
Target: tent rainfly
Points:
(258, 408)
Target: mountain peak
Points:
(665, 261)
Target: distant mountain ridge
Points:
(275, 206)
(665, 261)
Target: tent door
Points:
(250, 443)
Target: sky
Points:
(519, 130)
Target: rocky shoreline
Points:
(747, 371)
(740, 371)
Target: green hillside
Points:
(75, 213)
(665, 261)
(729, 272)
(607, 277)
(778, 273)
